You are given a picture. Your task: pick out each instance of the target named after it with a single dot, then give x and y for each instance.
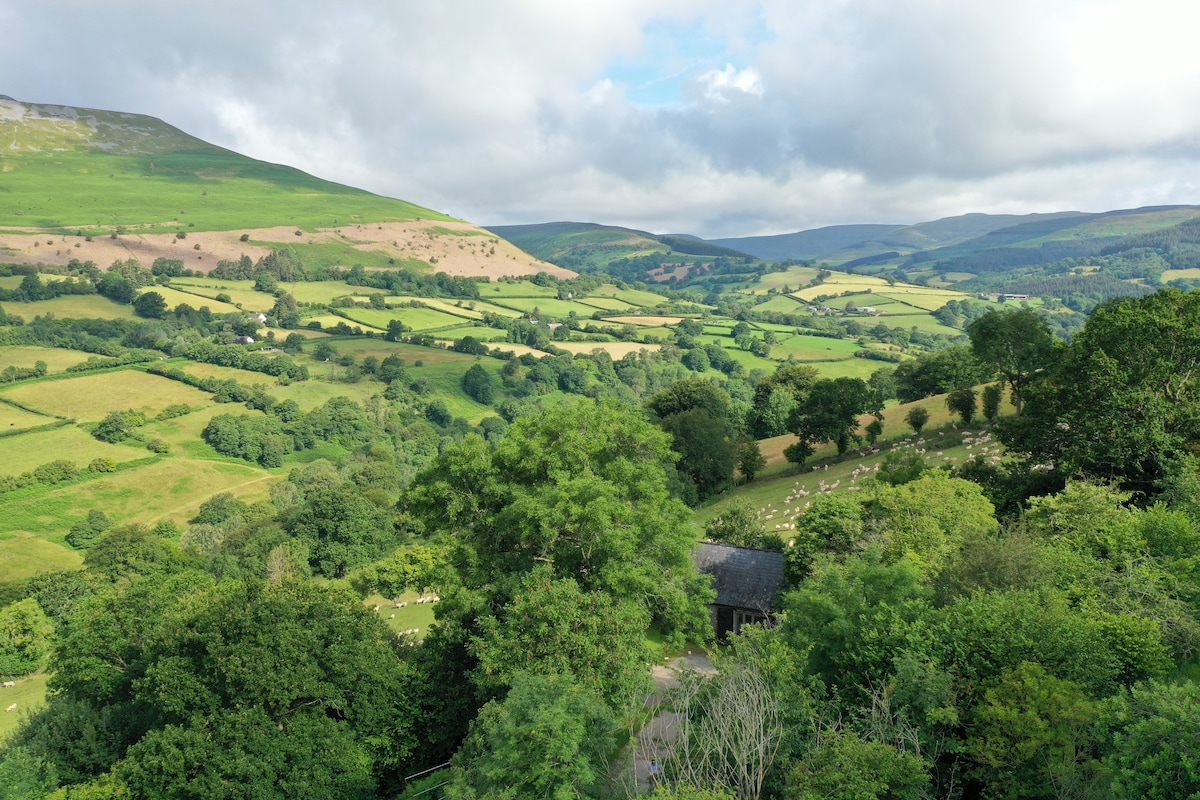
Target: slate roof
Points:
(743, 577)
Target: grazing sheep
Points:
(7, 684)
(13, 707)
(393, 616)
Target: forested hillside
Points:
(457, 580)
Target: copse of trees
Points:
(1119, 403)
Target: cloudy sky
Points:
(711, 117)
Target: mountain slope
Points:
(845, 242)
(128, 185)
(587, 246)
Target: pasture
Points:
(204, 291)
(647, 320)
(78, 306)
(88, 398)
(793, 278)
(26, 356)
(28, 695)
(507, 289)
(25, 451)
(23, 555)
(413, 615)
(310, 394)
(204, 370)
(211, 188)
(418, 319)
(168, 488)
(175, 297)
(13, 418)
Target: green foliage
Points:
(150, 305)
(926, 520)
(1017, 343)
(552, 627)
(129, 551)
(25, 636)
(916, 418)
(479, 385)
(843, 766)
(750, 460)
(737, 524)
(117, 426)
(581, 487)
(26, 776)
(343, 529)
(962, 402)
(831, 410)
(1119, 404)
(1031, 736)
(1152, 750)
(550, 737)
(87, 529)
(266, 685)
(855, 617)
(993, 393)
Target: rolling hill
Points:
(590, 247)
(102, 186)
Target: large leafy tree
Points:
(257, 689)
(831, 412)
(1123, 403)
(581, 488)
(550, 738)
(1017, 343)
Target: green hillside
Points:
(589, 247)
(97, 170)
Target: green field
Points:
(508, 289)
(547, 306)
(195, 299)
(480, 333)
(28, 694)
(241, 293)
(13, 418)
(88, 398)
(24, 452)
(26, 356)
(203, 370)
(418, 319)
(814, 348)
(169, 488)
(23, 555)
(79, 306)
(782, 304)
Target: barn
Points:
(747, 581)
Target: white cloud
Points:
(849, 111)
(719, 84)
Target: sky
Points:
(717, 118)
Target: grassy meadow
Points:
(88, 398)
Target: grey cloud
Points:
(864, 110)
